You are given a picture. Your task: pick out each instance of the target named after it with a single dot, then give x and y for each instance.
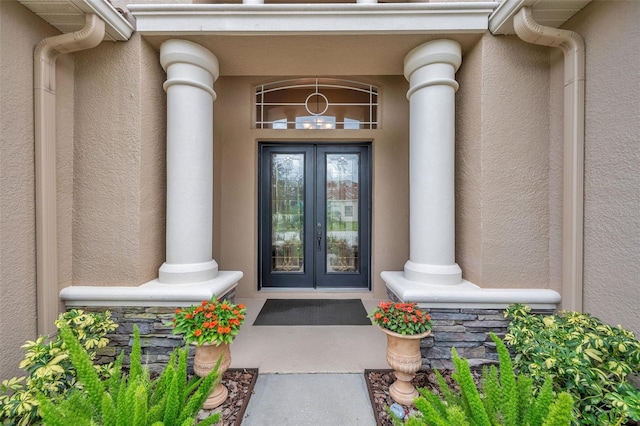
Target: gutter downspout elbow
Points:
(44, 87)
(572, 46)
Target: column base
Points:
(433, 274)
(466, 294)
(152, 293)
(187, 273)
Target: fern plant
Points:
(49, 370)
(131, 399)
(502, 400)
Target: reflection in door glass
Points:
(342, 212)
(287, 212)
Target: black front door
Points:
(315, 215)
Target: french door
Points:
(315, 215)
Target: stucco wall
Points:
(612, 160)
(20, 32)
(119, 177)
(235, 177)
(502, 149)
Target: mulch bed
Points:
(240, 382)
(378, 382)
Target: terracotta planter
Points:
(205, 360)
(403, 355)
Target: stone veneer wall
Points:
(466, 329)
(156, 341)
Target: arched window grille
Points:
(316, 103)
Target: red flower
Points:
(395, 315)
(209, 321)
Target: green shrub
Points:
(132, 399)
(503, 399)
(585, 357)
(49, 369)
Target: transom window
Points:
(317, 103)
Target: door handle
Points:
(319, 236)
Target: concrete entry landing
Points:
(307, 349)
(287, 391)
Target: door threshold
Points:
(312, 293)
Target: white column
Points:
(430, 69)
(191, 71)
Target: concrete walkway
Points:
(309, 400)
(308, 375)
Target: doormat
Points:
(313, 312)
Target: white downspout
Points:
(44, 87)
(572, 46)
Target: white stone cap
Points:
(152, 293)
(467, 294)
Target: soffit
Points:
(69, 16)
(332, 55)
(551, 13)
(312, 39)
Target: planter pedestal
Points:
(205, 360)
(403, 355)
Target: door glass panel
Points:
(287, 213)
(342, 184)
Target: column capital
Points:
(186, 52)
(437, 51)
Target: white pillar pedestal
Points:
(431, 277)
(430, 69)
(191, 71)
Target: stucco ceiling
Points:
(312, 55)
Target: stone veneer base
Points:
(156, 341)
(466, 329)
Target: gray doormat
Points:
(313, 312)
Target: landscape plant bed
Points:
(240, 383)
(378, 382)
